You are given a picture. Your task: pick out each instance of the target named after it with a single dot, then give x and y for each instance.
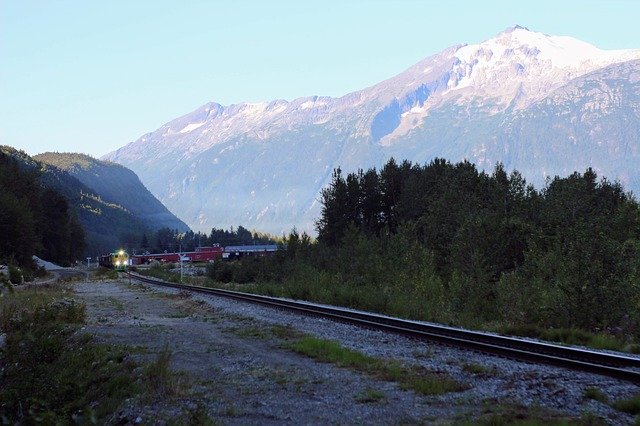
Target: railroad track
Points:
(611, 365)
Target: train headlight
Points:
(117, 263)
(121, 252)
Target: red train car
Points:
(201, 254)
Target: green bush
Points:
(106, 273)
(5, 284)
(15, 275)
(220, 271)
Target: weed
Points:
(160, 380)
(567, 336)
(15, 275)
(370, 396)
(513, 414)
(432, 384)
(248, 332)
(596, 394)
(285, 332)
(629, 405)
(633, 348)
(138, 349)
(231, 411)
(199, 417)
(478, 369)
(105, 273)
(5, 285)
(424, 354)
(278, 375)
(117, 304)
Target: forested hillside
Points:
(106, 225)
(447, 243)
(34, 220)
(116, 185)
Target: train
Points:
(201, 254)
(119, 260)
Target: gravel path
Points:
(234, 367)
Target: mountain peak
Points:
(263, 164)
(514, 28)
(519, 60)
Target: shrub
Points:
(15, 275)
(52, 375)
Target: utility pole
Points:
(180, 257)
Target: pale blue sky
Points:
(92, 76)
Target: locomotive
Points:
(118, 260)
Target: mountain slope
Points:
(115, 184)
(106, 225)
(263, 164)
(592, 121)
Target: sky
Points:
(92, 76)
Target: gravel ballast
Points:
(240, 373)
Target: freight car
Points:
(201, 254)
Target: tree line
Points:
(172, 240)
(449, 243)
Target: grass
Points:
(477, 369)
(417, 379)
(159, 380)
(497, 414)
(279, 376)
(319, 287)
(286, 332)
(370, 396)
(198, 417)
(595, 394)
(248, 332)
(629, 405)
(568, 336)
(424, 354)
(117, 304)
(105, 273)
(162, 272)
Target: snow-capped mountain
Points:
(517, 98)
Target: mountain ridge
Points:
(263, 164)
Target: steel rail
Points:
(600, 363)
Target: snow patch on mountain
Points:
(192, 126)
(527, 65)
